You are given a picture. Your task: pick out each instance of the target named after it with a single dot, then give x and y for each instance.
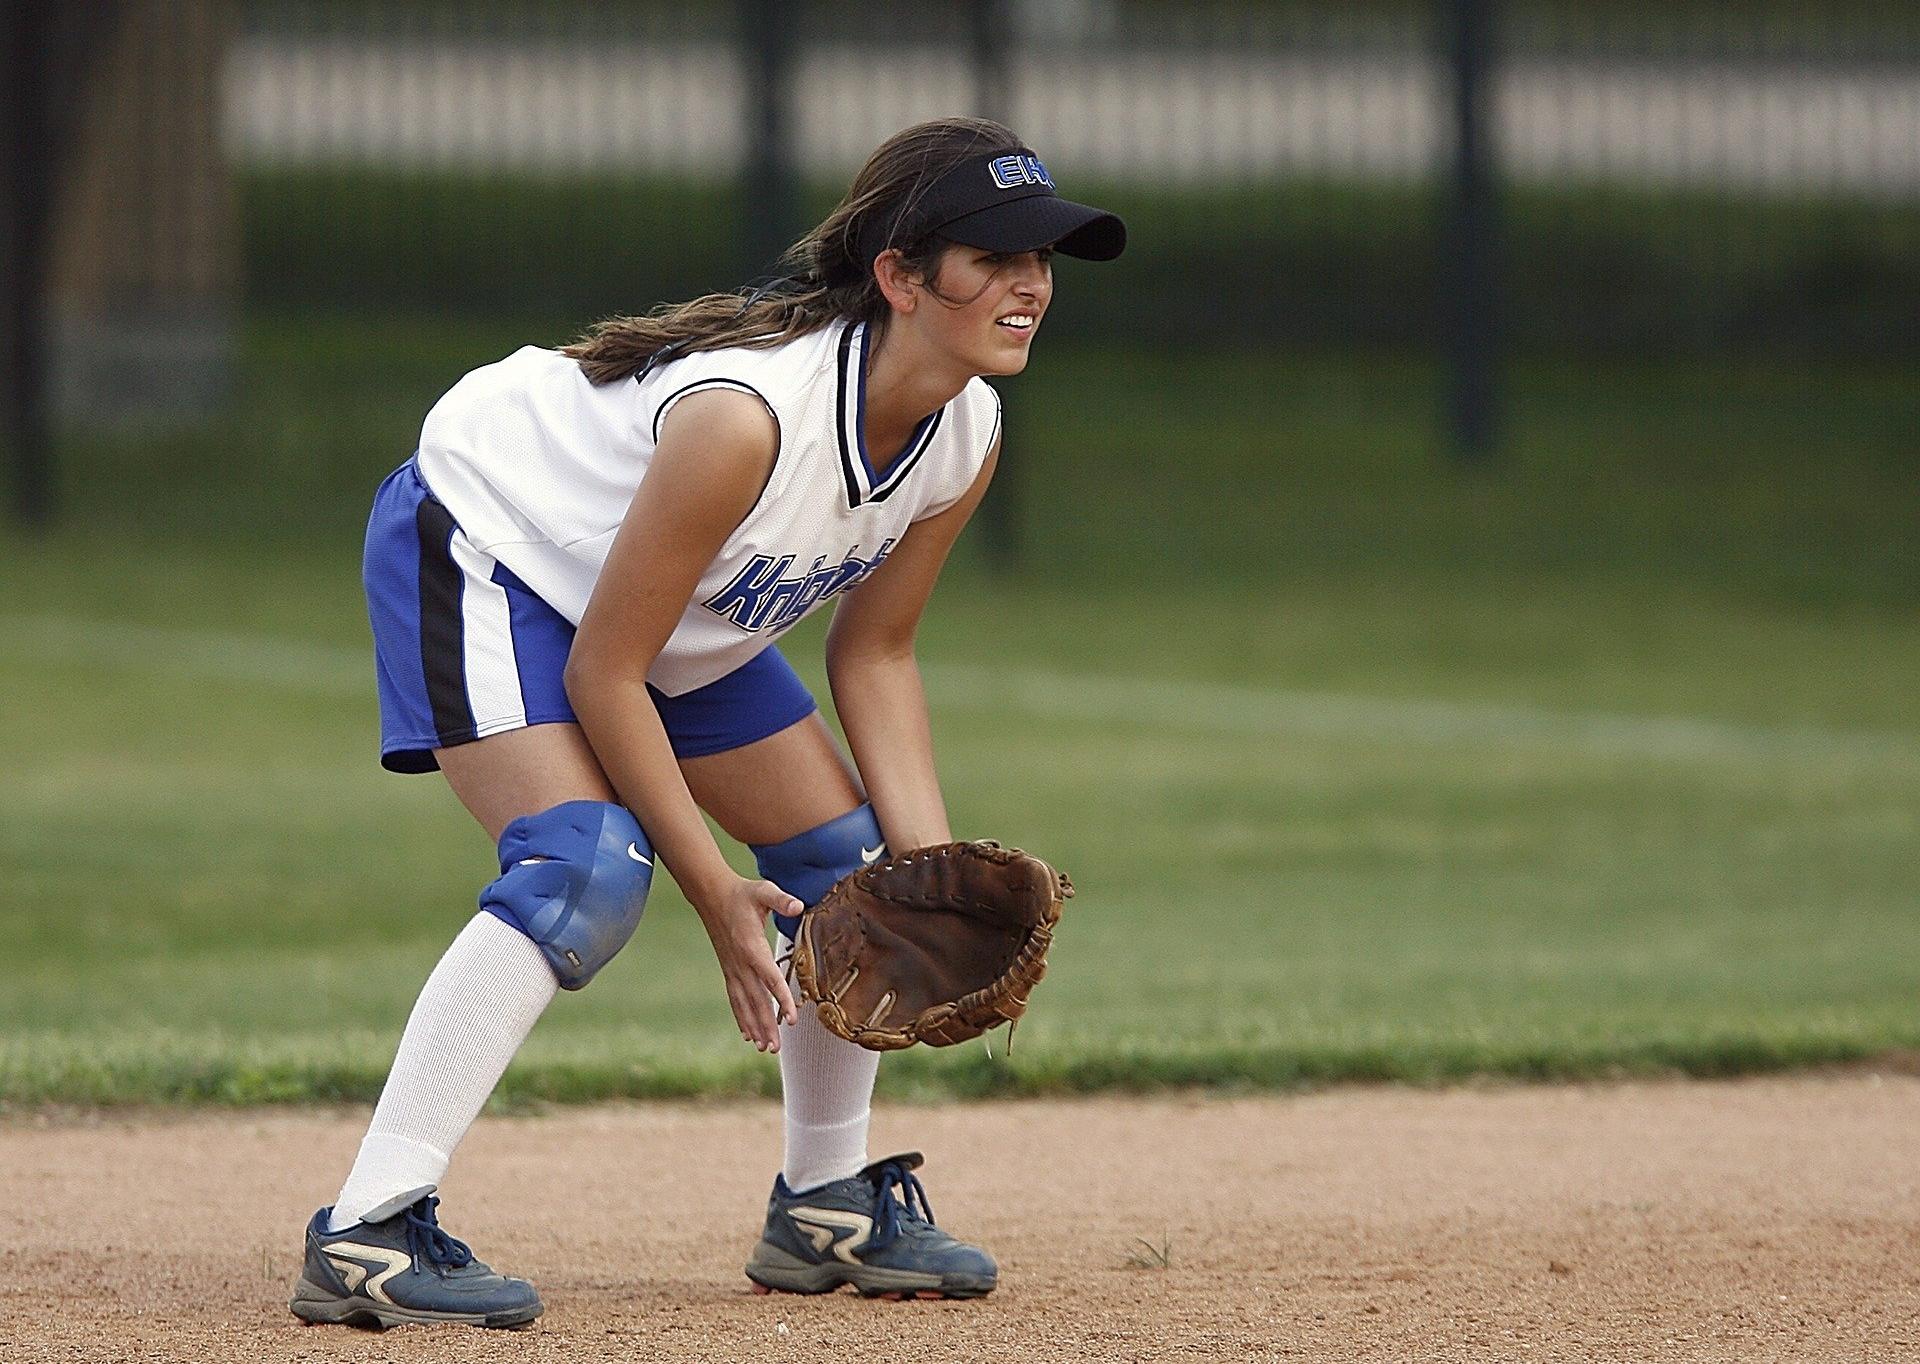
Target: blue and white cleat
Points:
(855, 1231)
(402, 1270)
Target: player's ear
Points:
(898, 281)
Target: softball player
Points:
(576, 586)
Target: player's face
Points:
(992, 306)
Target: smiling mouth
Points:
(1021, 323)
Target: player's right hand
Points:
(756, 988)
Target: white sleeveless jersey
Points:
(538, 467)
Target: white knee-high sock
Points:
(472, 1015)
(827, 1083)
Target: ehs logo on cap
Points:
(1011, 172)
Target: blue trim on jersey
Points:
(864, 481)
(916, 443)
(760, 698)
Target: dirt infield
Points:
(1762, 1220)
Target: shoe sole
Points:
(774, 1270)
(317, 1307)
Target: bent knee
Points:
(807, 865)
(574, 879)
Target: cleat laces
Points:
(428, 1242)
(911, 1207)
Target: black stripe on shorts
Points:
(442, 625)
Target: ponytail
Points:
(622, 347)
(824, 278)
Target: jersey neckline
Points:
(865, 482)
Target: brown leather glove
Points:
(937, 946)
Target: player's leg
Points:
(775, 795)
(378, 1257)
(464, 650)
(536, 791)
(487, 990)
(794, 799)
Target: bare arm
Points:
(876, 680)
(715, 455)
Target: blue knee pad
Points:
(574, 879)
(807, 865)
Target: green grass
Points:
(1756, 477)
(245, 906)
(1601, 762)
(216, 896)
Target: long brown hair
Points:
(823, 278)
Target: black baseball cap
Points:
(1000, 201)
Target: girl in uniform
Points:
(576, 586)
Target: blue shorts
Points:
(465, 649)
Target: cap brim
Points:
(1041, 220)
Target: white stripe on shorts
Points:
(493, 672)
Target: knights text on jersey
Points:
(538, 467)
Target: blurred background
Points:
(1449, 599)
